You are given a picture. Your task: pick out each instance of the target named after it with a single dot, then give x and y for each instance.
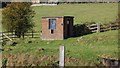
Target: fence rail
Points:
(11, 34)
(93, 27)
(103, 27)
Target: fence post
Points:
(98, 27)
(32, 33)
(110, 26)
(2, 37)
(8, 34)
(61, 57)
(12, 34)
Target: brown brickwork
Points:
(62, 31)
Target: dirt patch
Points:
(40, 50)
(41, 60)
(7, 49)
(29, 60)
(14, 43)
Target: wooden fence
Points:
(11, 34)
(103, 27)
(93, 27)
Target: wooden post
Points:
(2, 37)
(8, 34)
(61, 57)
(12, 34)
(110, 27)
(98, 27)
(32, 33)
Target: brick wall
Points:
(62, 31)
(58, 32)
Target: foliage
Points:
(17, 17)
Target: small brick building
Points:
(57, 28)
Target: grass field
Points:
(86, 48)
(0, 37)
(91, 12)
(95, 12)
(0, 20)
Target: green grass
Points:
(92, 12)
(88, 48)
(0, 20)
(0, 37)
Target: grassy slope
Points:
(87, 48)
(0, 37)
(98, 12)
(0, 20)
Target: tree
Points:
(17, 17)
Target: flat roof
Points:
(57, 17)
